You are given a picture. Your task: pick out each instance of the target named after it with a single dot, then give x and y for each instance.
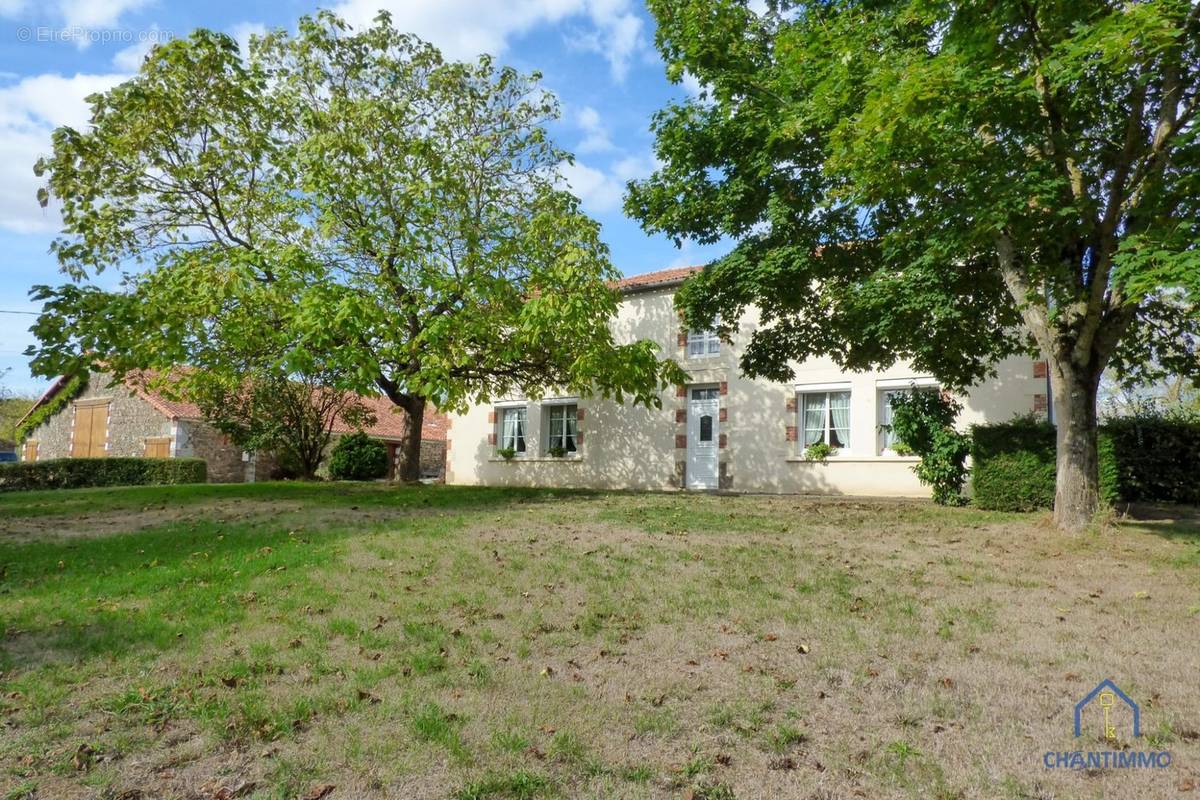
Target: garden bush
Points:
(1148, 457)
(1155, 457)
(1012, 465)
(358, 457)
(923, 422)
(76, 473)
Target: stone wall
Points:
(131, 420)
(201, 440)
(433, 458)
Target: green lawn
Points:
(269, 640)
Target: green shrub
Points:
(819, 451)
(1156, 457)
(358, 457)
(1012, 465)
(924, 424)
(1148, 457)
(77, 473)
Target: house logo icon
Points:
(1107, 695)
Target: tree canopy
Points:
(944, 183)
(398, 218)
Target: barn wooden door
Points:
(91, 430)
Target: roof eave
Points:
(639, 288)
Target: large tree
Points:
(949, 183)
(411, 209)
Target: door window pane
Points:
(706, 428)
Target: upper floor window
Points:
(703, 343)
(512, 428)
(825, 418)
(561, 423)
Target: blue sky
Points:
(596, 55)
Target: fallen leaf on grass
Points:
(243, 789)
(319, 791)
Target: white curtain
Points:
(569, 422)
(839, 414)
(814, 419)
(512, 434)
(562, 427)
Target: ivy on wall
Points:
(70, 390)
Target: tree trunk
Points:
(409, 468)
(1077, 485)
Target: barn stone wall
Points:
(201, 440)
(433, 458)
(131, 420)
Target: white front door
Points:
(703, 410)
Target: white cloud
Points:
(96, 13)
(603, 192)
(29, 111)
(692, 84)
(599, 192)
(595, 132)
(130, 59)
(617, 35)
(244, 30)
(89, 14)
(463, 29)
(633, 168)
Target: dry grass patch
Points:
(438, 642)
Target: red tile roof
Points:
(659, 279)
(389, 421)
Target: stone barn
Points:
(96, 417)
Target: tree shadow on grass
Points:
(1178, 522)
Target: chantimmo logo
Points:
(1099, 712)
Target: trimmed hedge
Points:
(358, 457)
(76, 473)
(1012, 466)
(1154, 458)
(1141, 459)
